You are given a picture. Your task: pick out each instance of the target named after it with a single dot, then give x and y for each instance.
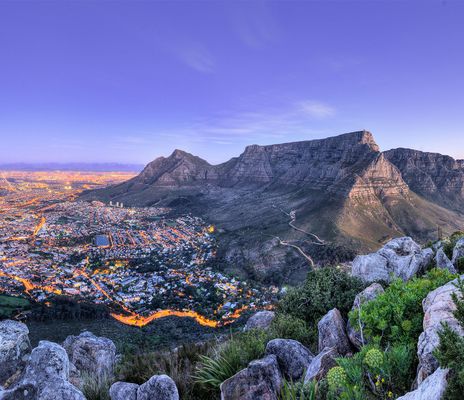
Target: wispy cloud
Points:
(196, 56)
(316, 109)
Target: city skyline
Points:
(128, 82)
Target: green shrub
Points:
(460, 264)
(323, 290)
(372, 373)
(450, 352)
(95, 388)
(287, 326)
(449, 243)
(298, 391)
(395, 316)
(231, 357)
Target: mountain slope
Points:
(342, 189)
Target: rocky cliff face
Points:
(434, 176)
(342, 188)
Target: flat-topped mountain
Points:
(343, 189)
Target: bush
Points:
(286, 326)
(231, 357)
(95, 388)
(395, 316)
(450, 352)
(298, 391)
(449, 243)
(323, 290)
(180, 365)
(372, 373)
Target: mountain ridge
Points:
(343, 188)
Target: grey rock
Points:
(260, 380)
(438, 308)
(321, 364)
(432, 388)
(367, 295)
(458, 251)
(332, 333)
(443, 262)
(123, 391)
(292, 356)
(158, 387)
(46, 376)
(260, 320)
(91, 354)
(14, 345)
(401, 257)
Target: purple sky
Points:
(129, 81)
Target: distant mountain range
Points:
(342, 189)
(96, 167)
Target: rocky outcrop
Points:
(260, 320)
(123, 391)
(91, 354)
(438, 309)
(458, 251)
(433, 388)
(14, 346)
(443, 262)
(367, 295)
(332, 333)
(292, 356)
(401, 257)
(46, 376)
(260, 380)
(434, 176)
(158, 387)
(321, 364)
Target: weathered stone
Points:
(321, 364)
(438, 308)
(158, 387)
(123, 391)
(91, 354)
(292, 356)
(367, 295)
(46, 376)
(260, 380)
(458, 251)
(432, 388)
(332, 333)
(14, 345)
(401, 257)
(443, 262)
(260, 320)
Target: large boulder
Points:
(46, 377)
(292, 356)
(158, 387)
(367, 295)
(123, 391)
(91, 354)
(14, 346)
(260, 320)
(432, 388)
(400, 257)
(458, 251)
(321, 364)
(443, 262)
(332, 333)
(438, 308)
(260, 380)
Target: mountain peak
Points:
(364, 137)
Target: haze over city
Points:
(84, 82)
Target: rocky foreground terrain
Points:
(56, 371)
(342, 189)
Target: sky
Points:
(128, 81)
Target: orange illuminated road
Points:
(39, 226)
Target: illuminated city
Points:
(139, 262)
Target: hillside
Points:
(343, 189)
